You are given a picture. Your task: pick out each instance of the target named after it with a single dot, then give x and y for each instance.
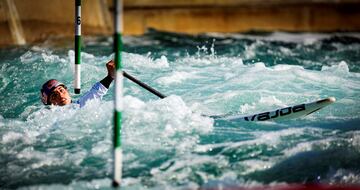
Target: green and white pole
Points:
(77, 82)
(118, 93)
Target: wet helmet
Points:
(47, 88)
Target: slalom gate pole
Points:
(118, 93)
(77, 82)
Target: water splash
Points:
(168, 143)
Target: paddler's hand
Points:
(110, 66)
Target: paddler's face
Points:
(60, 96)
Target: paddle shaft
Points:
(147, 87)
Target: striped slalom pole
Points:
(118, 93)
(77, 77)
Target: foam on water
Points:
(168, 143)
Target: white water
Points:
(167, 143)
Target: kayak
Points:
(291, 112)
